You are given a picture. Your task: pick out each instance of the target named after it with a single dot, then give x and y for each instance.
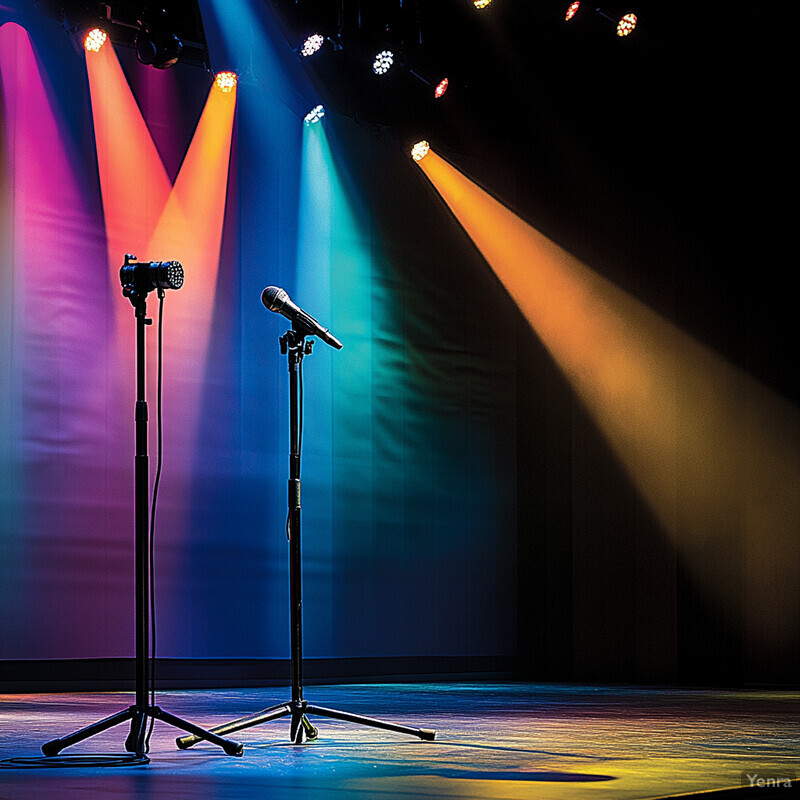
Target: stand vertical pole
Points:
(143, 710)
(293, 343)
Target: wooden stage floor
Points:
(510, 741)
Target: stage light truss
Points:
(160, 49)
(171, 36)
(161, 36)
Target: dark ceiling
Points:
(668, 148)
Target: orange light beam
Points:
(133, 181)
(190, 230)
(148, 216)
(715, 454)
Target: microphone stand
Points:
(294, 344)
(143, 709)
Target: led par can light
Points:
(94, 40)
(138, 278)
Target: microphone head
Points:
(274, 298)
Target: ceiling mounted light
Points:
(572, 11)
(94, 40)
(626, 25)
(383, 62)
(420, 150)
(158, 49)
(438, 89)
(315, 115)
(481, 3)
(226, 81)
(311, 44)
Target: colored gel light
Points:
(572, 11)
(94, 40)
(441, 88)
(226, 81)
(315, 115)
(626, 25)
(420, 150)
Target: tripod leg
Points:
(54, 747)
(423, 733)
(228, 745)
(311, 731)
(274, 712)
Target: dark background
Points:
(660, 160)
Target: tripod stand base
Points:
(136, 740)
(301, 729)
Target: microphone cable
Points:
(156, 483)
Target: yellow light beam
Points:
(190, 229)
(715, 454)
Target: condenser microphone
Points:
(277, 300)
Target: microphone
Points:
(276, 299)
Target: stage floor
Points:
(510, 741)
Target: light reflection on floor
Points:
(509, 741)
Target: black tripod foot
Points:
(301, 729)
(136, 741)
(426, 734)
(54, 747)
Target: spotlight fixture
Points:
(383, 62)
(312, 44)
(226, 81)
(94, 40)
(159, 49)
(481, 3)
(626, 25)
(438, 89)
(420, 150)
(138, 278)
(315, 115)
(572, 11)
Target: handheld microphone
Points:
(277, 300)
